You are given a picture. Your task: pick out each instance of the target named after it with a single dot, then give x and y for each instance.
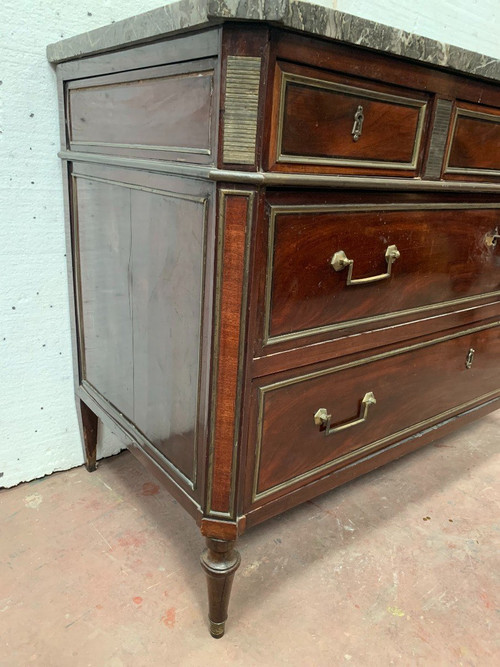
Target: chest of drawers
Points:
(284, 251)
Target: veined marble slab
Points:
(303, 16)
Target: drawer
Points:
(345, 124)
(308, 425)
(158, 113)
(334, 267)
(474, 144)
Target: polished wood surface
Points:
(411, 387)
(138, 113)
(219, 561)
(317, 116)
(209, 325)
(475, 140)
(235, 219)
(444, 257)
(141, 288)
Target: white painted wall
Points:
(38, 427)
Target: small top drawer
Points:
(334, 123)
(474, 143)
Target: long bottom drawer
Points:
(307, 425)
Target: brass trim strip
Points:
(276, 178)
(268, 339)
(203, 201)
(144, 147)
(440, 130)
(311, 82)
(250, 195)
(336, 369)
(144, 188)
(241, 109)
(478, 115)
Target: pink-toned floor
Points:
(399, 567)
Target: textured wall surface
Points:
(38, 426)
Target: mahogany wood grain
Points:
(235, 208)
(475, 143)
(411, 387)
(220, 560)
(317, 120)
(366, 464)
(285, 357)
(444, 257)
(140, 113)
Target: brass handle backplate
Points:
(357, 127)
(323, 419)
(492, 238)
(340, 261)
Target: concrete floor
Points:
(399, 567)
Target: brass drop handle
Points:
(340, 260)
(357, 127)
(323, 419)
(469, 359)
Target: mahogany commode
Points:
(283, 251)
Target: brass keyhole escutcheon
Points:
(357, 127)
(470, 358)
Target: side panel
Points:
(140, 248)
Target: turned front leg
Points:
(220, 561)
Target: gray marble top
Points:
(295, 14)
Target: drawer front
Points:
(334, 267)
(474, 147)
(159, 113)
(340, 122)
(311, 424)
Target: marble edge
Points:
(294, 14)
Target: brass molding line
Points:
(478, 115)
(347, 208)
(275, 178)
(398, 435)
(359, 93)
(370, 446)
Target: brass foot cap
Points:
(217, 629)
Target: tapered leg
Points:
(88, 424)
(220, 561)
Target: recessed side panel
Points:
(161, 112)
(103, 244)
(140, 262)
(167, 265)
